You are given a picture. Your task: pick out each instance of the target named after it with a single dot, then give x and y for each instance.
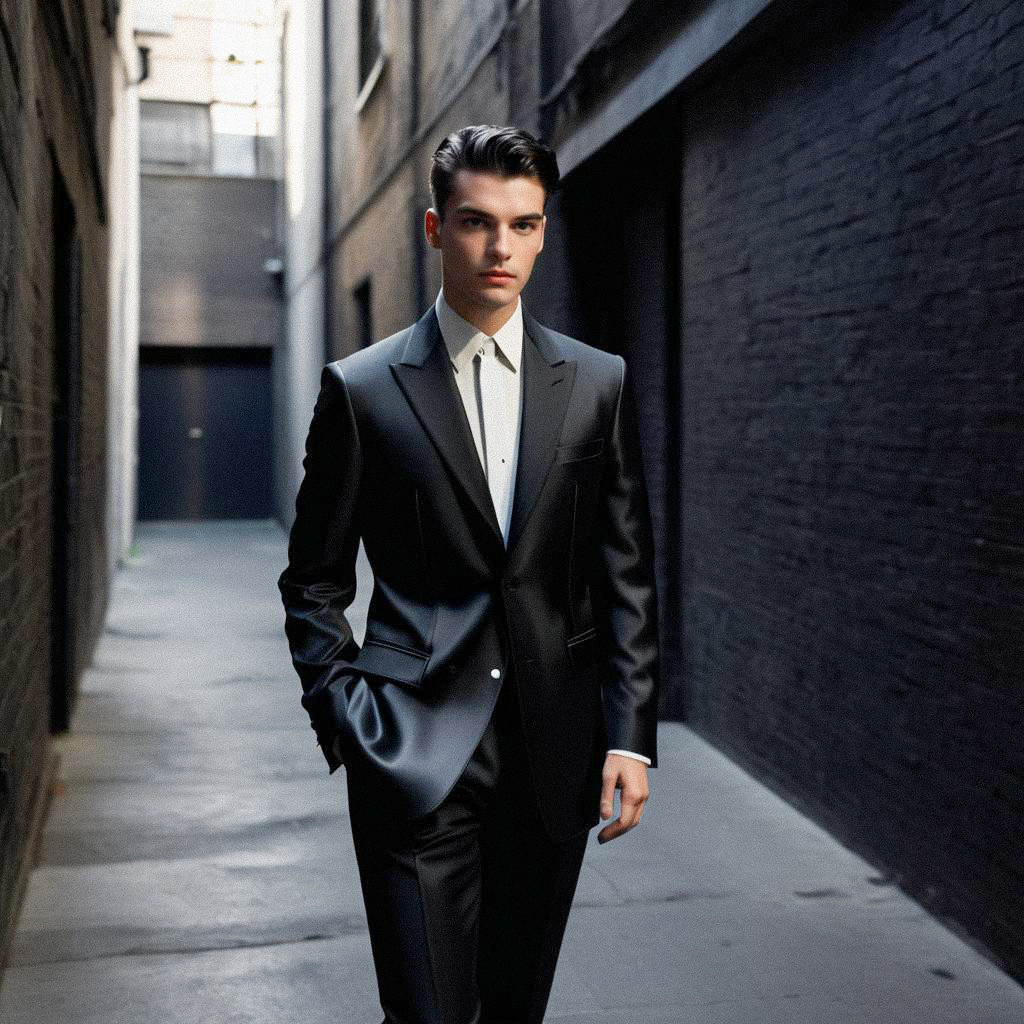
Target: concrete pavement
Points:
(197, 866)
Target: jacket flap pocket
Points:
(403, 664)
(582, 649)
(580, 450)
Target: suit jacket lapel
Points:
(547, 385)
(428, 382)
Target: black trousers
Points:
(467, 906)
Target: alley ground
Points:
(197, 866)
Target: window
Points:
(208, 138)
(111, 9)
(372, 47)
(175, 135)
(369, 38)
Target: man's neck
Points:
(485, 319)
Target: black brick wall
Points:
(853, 370)
(54, 64)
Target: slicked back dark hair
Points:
(508, 151)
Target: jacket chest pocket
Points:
(393, 661)
(586, 453)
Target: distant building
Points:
(801, 225)
(210, 313)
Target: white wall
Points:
(123, 297)
(300, 358)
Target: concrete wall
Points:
(123, 293)
(301, 354)
(225, 57)
(55, 85)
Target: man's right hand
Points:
(629, 776)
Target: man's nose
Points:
(499, 244)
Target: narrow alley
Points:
(196, 864)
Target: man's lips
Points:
(497, 274)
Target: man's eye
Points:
(526, 224)
(471, 220)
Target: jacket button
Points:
(495, 673)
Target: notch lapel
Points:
(426, 378)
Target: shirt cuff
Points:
(629, 753)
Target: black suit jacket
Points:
(571, 601)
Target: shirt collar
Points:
(462, 338)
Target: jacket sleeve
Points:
(319, 583)
(626, 602)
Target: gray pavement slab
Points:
(197, 861)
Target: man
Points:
(507, 684)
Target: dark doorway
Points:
(363, 298)
(204, 433)
(67, 399)
(622, 230)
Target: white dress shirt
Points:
(498, 444)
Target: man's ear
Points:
(432, 227)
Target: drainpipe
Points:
(418, 189)
(328, 163)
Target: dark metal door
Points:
(204, 433)
(67, 405)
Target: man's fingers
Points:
(631, 810)
(608, 795)
(615, 829)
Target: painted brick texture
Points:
(852, 487)
(48, 103)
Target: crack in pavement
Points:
(355, 925)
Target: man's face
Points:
(491, 224)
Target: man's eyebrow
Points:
(487, 216)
